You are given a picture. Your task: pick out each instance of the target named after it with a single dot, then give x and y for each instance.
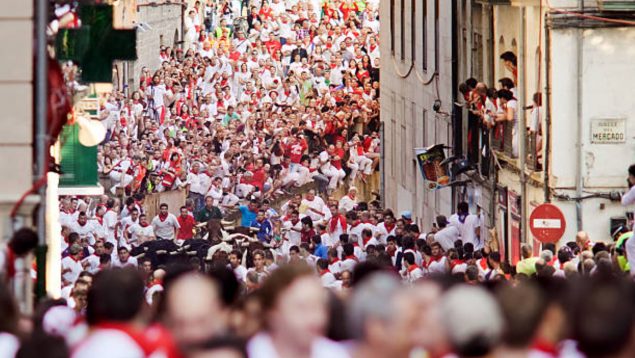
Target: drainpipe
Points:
(579, 178)
(547, 129)
(41, 104)
(457, 135)
(382, 164)
(183, 6)
(522, 127)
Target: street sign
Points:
(547, 223)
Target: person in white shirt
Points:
(447, 234)
(411, 272)
(235, 265)
(387, 227)
(292, 228)
(72, 265)
(629, 197)
(125, 224)
(316, 209)
(356, 227)
(326, 276)
(469, 225)
(336, 226)
(91, 263)
(335, 264)
(438, 262)
(349, 201)
(199, 185)
(289, 328)
(110, 219)
(124, 259)
(349, 260)
(140, 232)
(165, 224)
(122, 174)
(84, 228)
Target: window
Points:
(436, 35)
(393, 136)
(404, 152)
(393, 147)
(402, 27)
(424, 34)
(413, 29)
(392, 27)
(424, 141)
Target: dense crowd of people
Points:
(379, 288)
(266, 96)
(287, 98)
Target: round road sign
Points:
(547, 223)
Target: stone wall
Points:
(164, 29)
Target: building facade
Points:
(428, 47)
(579, 66)
(416, 71)
(158, 24)
(575, 55)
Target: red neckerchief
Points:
(436, 258)
(324, 272)
(163, 217)
(545, 347)
(335, 260)
(454, 263)
(351, 257)
(365, 241)
(483, 264)
(73, 258)
(144, 225)
(11, 257)
(100, 220)
(412, 267)
(334, 220)
(355, 224)
(389, 227)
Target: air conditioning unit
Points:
(616, 5)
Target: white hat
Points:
(59, 320)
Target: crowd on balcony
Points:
(493, 116)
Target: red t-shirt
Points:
(296, 149)
(186, 231)
(338, 163)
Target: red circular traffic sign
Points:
(547, 223)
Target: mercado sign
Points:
(608, 131)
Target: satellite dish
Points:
(91, 132)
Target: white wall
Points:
(16, 118)
(608, 70)
(404, 102)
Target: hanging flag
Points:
(435, 174)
